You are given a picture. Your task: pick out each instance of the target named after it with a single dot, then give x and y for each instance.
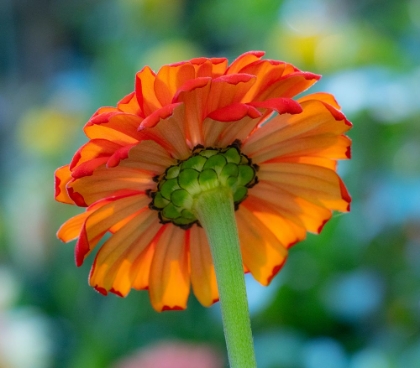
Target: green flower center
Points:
(206, 169)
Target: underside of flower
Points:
(195, 129)
(206, 169)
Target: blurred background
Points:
(348, 298)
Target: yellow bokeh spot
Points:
(45, 130)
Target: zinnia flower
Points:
(193, 126)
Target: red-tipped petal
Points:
(62, 177)
(281, 105)
(234, 112)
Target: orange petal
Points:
(62, 178)
(145, 91)
(172, 132)
(311, 160)
(100, 221)
(117, 127)
(262, 253)
(170, 78)
(325, 145)
(194, 95)
(243, 60)
(129, 104)
(315, 119)
(140, 271)
(203, 276)
(70, 230)
(148, 156)
(107, 182)
(169, 273)
(212, 67)
(316, 184)
(303, 213)
(238, 130)
(288, 86)
(328, 98)
(95, 148)
(113, 266)
(287, 232)
(227, 90)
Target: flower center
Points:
(207, 169)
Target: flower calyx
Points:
(208, 168)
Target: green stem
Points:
(214, 209)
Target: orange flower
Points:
(288, 150)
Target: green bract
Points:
(206, 169)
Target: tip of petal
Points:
(310, 76)
(154, 118)
(348, 152)
(322, 225)
(101, 290)
(168, 308)
(81, 248)
(275, 271)
(119, 155)
(234, 112)
(345, 194)
(291, 244)
(258, 54)
(77, 198)
(116, 292)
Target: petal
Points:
(227, 90)
(194, 95)
(203, 276)
(100, 221)
(148, 156)
(281, 105)
(117, 127)
(277, 79)
(129, 104)
(171, 132)
(107, 182)
(288, 86)
(327, 98)
(140, 271)
(95, 148)
(170, 78)
(87, 168)
(316, 184)
(70, 230)
(234, 112)
(62, 178)
(238, 130)
(155, 117)
(243, 60)
(145, 91)
(311, 160)
(262, 253)
(114, 266)
(303, 213)
(325, 145)
(287, 232)
(315, 119)
(169, 274)
(212, 67)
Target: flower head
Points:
(193, 126)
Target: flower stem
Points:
(214, 209)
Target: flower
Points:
(203, 121)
